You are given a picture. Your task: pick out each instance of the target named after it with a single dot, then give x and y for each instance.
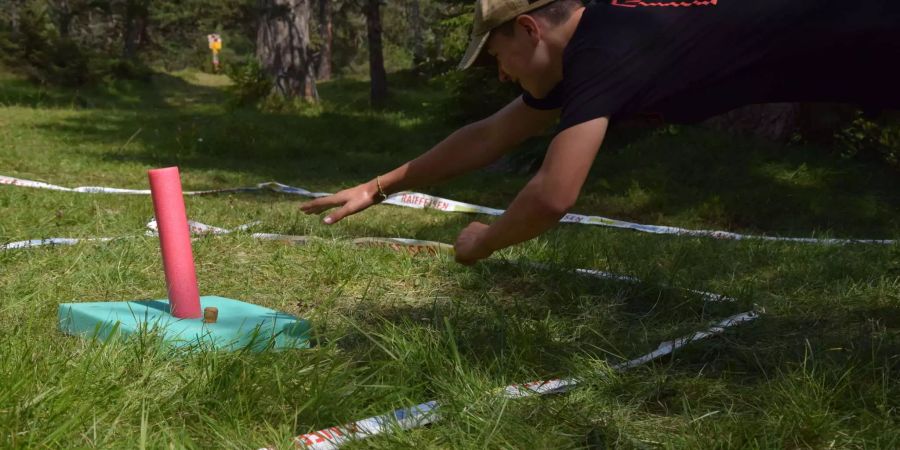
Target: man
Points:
(681, 60)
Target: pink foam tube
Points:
(175, 243)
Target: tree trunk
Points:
(415, 19)
(326, 29)
(14, 12)
(814, 122)
(134, 27)
(377, 75)
(62, 15)
(282, 47)
(773, 121)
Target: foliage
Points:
(477, 93)
(175, 33)
(446, 27)
(865, 137)
(55, 45)
(180, 30)
(454, 28)
(251, 84)
(38, 51)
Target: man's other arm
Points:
(544, 200)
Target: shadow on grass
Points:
(706, 179)
(697, 178)
(839, 359)
(162, 91)
(548, 318)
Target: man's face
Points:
(520, 59)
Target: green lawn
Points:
(820, 369)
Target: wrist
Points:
(487, 243)
(376, 189)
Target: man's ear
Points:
(531, 26)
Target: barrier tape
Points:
(51, 241)
(196, 228)
(603, 275)
(414, 246)
(411, 246)
(429, 412)
(421, 201)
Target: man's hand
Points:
(351, 201)
(470, 246)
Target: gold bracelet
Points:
(382, 196)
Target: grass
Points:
(820, 369)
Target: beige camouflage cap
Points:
(490, 14)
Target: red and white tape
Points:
(429, 412)
(421, 201)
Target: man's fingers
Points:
(342, 212)
(321, 204)
(350, 202)
(315, 209)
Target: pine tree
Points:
(282, 47)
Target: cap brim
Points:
(475, 55)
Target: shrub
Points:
(868, 138)
(251, 83)
(37, 50)
(477, 93)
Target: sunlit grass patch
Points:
(394, 329)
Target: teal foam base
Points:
(240, 325)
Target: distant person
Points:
(681, 60)
(215, 45)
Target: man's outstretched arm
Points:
(468, 148)
(544, 200)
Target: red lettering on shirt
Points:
(637, 3)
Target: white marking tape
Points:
(421, 201)
(433, 247)
(152, 230)
(403, 419)
(708, 296)
(425, 413)
(201, 228)
(50, 241)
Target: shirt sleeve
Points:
(595, 87)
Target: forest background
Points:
(276, 52)
(324, 94)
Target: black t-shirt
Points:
(688, 60)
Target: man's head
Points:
(526, 37)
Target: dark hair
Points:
(554, 13)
